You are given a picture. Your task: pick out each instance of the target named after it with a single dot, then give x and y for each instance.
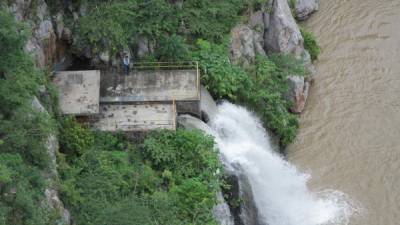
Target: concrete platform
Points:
(79, 91)
(154, 85)
(137, 117)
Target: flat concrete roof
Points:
(79, 91)
(153, 85)
(137, 117)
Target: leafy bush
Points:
(186, 154)
(21, 190)
(310, 44)
(188, 160)
(74, 139)
(219, 76)
(267, 90)
(26, 132)
(171, 172)
(172, 48)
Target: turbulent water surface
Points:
(349, 136)
(280, 191)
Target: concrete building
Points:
(144, 100)
(79, 91)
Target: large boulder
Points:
(304, 8)
(283, 34)
(247, 39)
(208, 107)
(298, 92)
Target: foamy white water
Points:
(280, 190)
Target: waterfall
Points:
(279, 189)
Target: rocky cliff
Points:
(273, 29)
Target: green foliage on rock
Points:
(23, 132)
(21, 191)
(114, 25)
(267, 90)
(310, 44)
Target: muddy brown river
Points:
(349, 137)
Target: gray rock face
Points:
(304, 8)
(53, 201)
(208, 107)
(283, 34)
(246, 213)
(222, 212)
(298, 92)
(247, 40)
(42, 43)
(144, 47)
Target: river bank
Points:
(349, 134)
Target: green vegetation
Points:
(23, 132)
(292, 5)
(267, 91)
(262, 86)
(220, 77)
(172, 178)
(114, 25)
(310, 44)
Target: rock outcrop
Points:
(247, 40)
(283, 34)
(222, 212)
(304, 8)
(297, 93)
(274, 30)
(42, 41)
(53, 201)
(208, 107)
(46, 32)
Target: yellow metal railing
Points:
(165, 65)
(188, 65)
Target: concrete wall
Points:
(144, 86)
(136, 117)
(79, 91)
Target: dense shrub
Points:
(310, 44)
(21, 189)
(74, 139)
(172, 48)
(189, 165)
(267, 90)
(219, 76)
(171, 179)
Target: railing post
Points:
(198, 80)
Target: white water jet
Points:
(280, 190)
